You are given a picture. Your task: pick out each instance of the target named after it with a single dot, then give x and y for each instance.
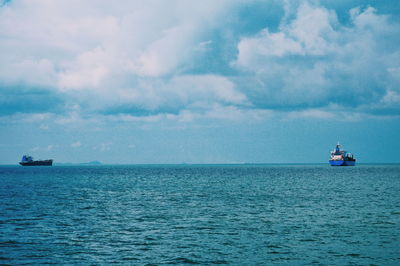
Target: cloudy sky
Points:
(227, 81)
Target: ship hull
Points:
(37, 163)
(342, 163)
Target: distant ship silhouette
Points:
(341, 158)
(28, 161)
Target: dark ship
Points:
(28, 161)
(341, 158)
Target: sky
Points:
(226, 81)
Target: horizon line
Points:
(188, 164)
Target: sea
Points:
(200, 214)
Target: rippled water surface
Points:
(219, 214)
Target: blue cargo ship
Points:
(28, 161)
(341, 158)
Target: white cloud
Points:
(313, 61)
(76, 144)
(206, 87)
(33, 118)
(309, 34)
(89, 71)
(44, 127)
(34, 72)
(313, 29)
(156, 95)
(312, 113)
(73, 117)
(125, 56)
(165, 54)
(79, 43)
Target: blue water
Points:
(221, 214)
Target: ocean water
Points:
(200, 214)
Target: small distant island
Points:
(92, 163)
